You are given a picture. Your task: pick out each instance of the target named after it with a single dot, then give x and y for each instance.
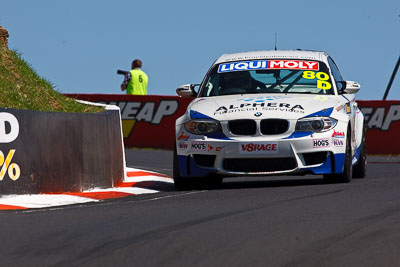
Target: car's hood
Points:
(292, 106)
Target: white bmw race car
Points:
(270, 113)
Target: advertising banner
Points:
(383, 121)
(147, 121)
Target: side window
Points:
(336, 74)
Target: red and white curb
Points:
(133, 179)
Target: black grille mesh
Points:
(274, 126)
(267, 127)
(243, 127)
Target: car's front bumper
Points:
(298, 153)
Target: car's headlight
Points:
(316, 124)
(202, 127)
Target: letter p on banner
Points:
(9, 127)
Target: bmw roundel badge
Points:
(257, 114)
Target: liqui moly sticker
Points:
(259, 148)
(268, 64)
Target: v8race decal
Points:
(258, 148)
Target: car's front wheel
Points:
(180, 182)
(360, 168)
(346, 176)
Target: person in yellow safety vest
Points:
(136, 80)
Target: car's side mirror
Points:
(350, 87)
(186, 90)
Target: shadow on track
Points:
(282, 182)
(261, 182)
(234, 183)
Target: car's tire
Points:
(360, 168)
(180, 182)
(346, 176)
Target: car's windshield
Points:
(268, 76)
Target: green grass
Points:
(22, 88)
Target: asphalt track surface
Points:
(270, 221)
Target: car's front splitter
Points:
(189, 166)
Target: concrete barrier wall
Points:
(59, 152)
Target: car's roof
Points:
(281, 54)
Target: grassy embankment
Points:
(22, 88)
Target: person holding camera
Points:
(135, 82)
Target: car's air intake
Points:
(259, 164)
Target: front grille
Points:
(204, 160)
(315, 158)
(243, 127)
(259, 164)
(274, 126)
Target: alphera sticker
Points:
(268, 64)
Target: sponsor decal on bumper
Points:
(318, 143)
(337, 142)
(198, 146)
(183, 145)
(259, 148)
